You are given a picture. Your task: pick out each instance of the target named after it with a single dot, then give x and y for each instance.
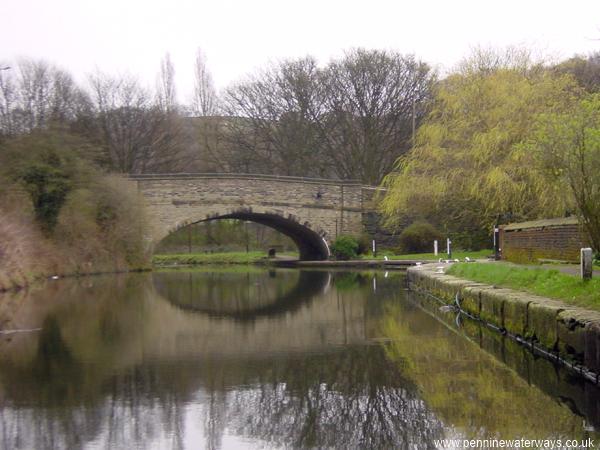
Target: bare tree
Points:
(138, 136)
(8, 98)
(35, 94)
(206, 125)
(372, 99)
(272, 127)
(351, 119)
(204, 101)
(167, 98)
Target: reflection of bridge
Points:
(312, 212)
(258, 296)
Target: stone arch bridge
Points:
(312, 212)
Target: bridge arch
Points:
(312, 212)
(196, 293)
(310, 240)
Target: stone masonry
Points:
(326, 208)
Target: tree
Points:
(167, 98)
(351, 119)
(272, 128)
(586, 70)
(467, 166)
(138, 136)
(207, 125)
(567, 144)
(48, 164)
(371, 101)
(204, 101)
(35, 94)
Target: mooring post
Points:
(497, 241)
(586, 264)
(374, 249)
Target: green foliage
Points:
(364, 244)
(91, 221)
(418, 237)
(210, 258)
(548, 283)
(347, 281)
(225, 235)
(567, 146)
(467, 166)
(47, 164)
(345, 248)
(585, 70)
(48, 185)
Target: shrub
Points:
(418, 238)
(345, 247)
(364, 244)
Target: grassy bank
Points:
(545, 282)
(211, 258)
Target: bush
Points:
(418, 238)
(344, 248)
(364, 244)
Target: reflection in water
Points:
(475, 395)
(230, 359)
(245, 296)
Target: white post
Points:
(435, 247)
(586, 264)
(448, 248)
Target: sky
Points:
(240, 37)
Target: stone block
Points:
(542, 325)
(572, 324)
(515, 312)
(471, 299)
(592, 347)
(492, 306)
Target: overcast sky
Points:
(131, 36)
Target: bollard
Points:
(449, 248)
(435, 247)
(586, 264)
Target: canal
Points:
(240, 357)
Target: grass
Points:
(210, 258)
(545, 282)
(431, 256)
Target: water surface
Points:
(256, 358)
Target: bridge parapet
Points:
(312, 211)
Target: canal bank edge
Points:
(561, 331)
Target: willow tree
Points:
(568, 147)
(468, 165)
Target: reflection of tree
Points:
(469, 389)
(96, 378)
(350, 398)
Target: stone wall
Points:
(553, 239)
(550, 326)
(327, 207)
(373, 222)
